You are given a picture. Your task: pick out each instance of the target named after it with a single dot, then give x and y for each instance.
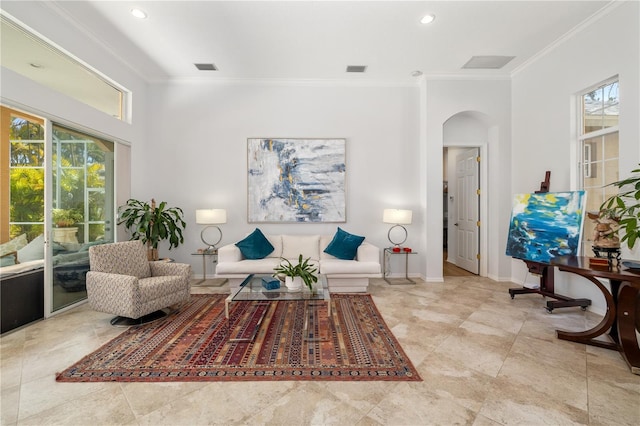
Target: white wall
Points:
(196, 153)
(544, 113)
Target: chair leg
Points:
(145, 319)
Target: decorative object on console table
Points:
(398, 218)
(606, 244)
(296, 180)
(544, 225)
(211, 217)
(152, 224)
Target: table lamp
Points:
(398, 218)
(211, 217)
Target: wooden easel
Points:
(545, 271)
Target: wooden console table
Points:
(623, 308)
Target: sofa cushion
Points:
(306, 245)
(248, 266)
(344, 245)
(276, 242)
(255, 245)
(346, 267)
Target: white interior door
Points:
(467, 207)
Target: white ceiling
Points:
(316, 40)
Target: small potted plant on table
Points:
(295, 275)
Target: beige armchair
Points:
(121, 281)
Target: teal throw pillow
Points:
(255, 246)
(344, 245)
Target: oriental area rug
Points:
(294, 341)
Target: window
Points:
(25, 197)
(598, 141)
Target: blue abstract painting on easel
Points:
(545, 225)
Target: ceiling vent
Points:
(487, 62)
(356, 68)
(206, 67)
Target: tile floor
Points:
(485, 360)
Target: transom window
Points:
(29, 55)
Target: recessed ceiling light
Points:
(427, 19)
(139, 13)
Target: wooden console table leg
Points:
(628, 306)
(608, 323)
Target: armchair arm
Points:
(105, 286)
(229, 253)
(367, 252)
(161, 268)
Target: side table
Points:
(213, 254)
(388, 252)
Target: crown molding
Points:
(605, 10)
(286, 82)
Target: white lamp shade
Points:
(211, 216)
(397, 216)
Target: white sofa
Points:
(343, 276)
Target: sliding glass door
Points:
(82, 215)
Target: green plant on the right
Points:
(626, 206)
(302, 269)
(152, 224)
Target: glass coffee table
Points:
(251, 290)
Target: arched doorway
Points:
(465, 139)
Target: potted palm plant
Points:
(296, 274)
(626, 206)
(152, 224)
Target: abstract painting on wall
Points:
(545, 225)
(296, 180)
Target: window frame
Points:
(582, 138)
